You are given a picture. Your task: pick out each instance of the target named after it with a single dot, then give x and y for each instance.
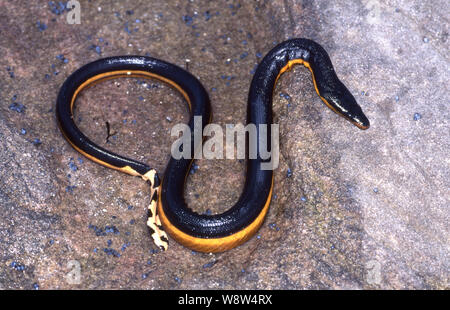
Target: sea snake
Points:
(168, 210)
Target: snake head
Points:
(343, 103)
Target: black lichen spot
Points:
(41, 26)
(112, 252)
(17, 106)
(210, 264)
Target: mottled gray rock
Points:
(351, 209)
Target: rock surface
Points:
(351, 209)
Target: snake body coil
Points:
(206, 233)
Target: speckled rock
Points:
(351, 209)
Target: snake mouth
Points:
(361, 125)
(345, 105)
(362, 122)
